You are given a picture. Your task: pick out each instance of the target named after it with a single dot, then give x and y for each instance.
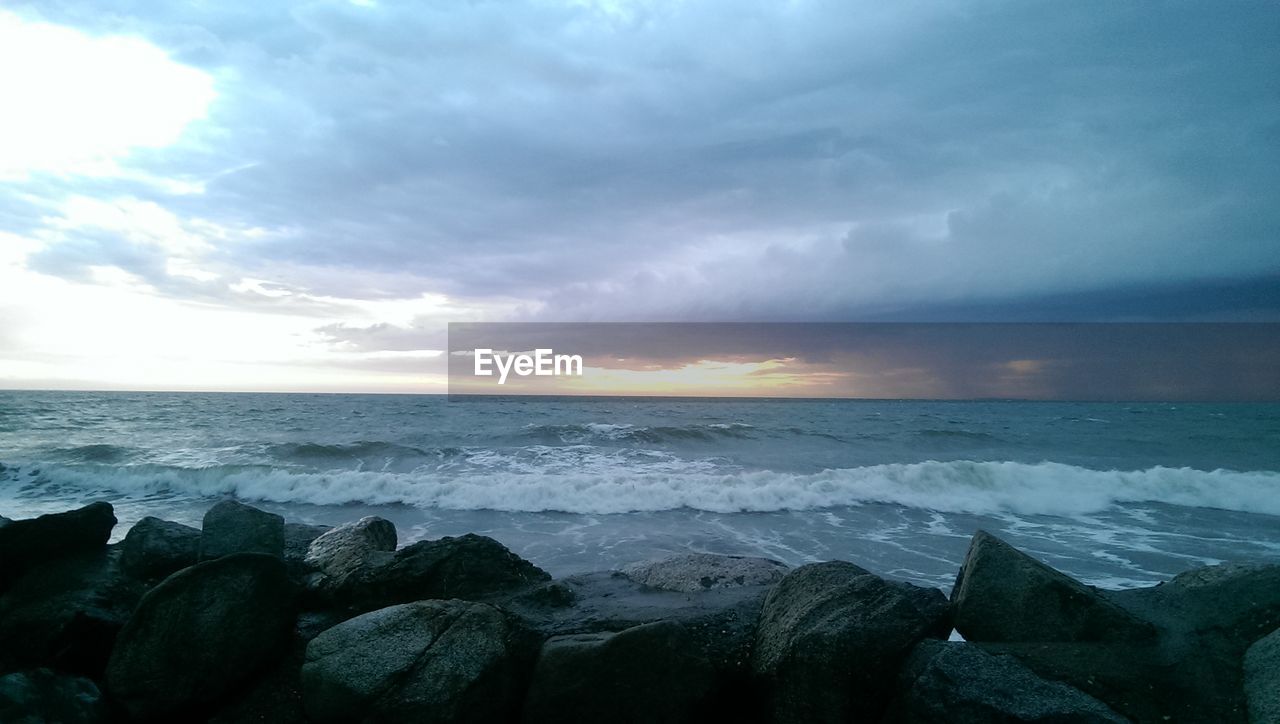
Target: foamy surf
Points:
(962, 486)
(1133, 493)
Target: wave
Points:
(312, 452)
(616, 432)
(958, 486)
(957, 435)
(99, 453)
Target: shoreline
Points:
(254, 619)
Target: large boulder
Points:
(274, 695)
(297, 541)
(66, 613)
(201, 632)
(655, 672)
(1169, 652)
(1235, 604)
(343, 550)
(233, 527)
(610, 601)
(831, 637)
(469, 567)
(1002, 594)
(27, 543)
(423, 662)
(959, 683)
(154, 548)
(692, 572)
(44, 697)
(1262, 679)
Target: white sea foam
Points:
(957, 486)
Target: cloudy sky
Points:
(302, 195)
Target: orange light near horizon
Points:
(705, 377)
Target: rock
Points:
(66, 613)
(1262, 679)
(959, 683)
(199, 633)
(273, 696)
(718, 628)
(655, 672)
(1169, 652)
(609, 601)
(26, 543)
(428, 662)
(468, 567)
(693, 572)
(42, 697)
(297, 540)
(347, 548)
(831, 637)
(154, 548)
(1002, 594)
(1234, 602)
(232, 527)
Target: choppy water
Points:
(1118, 494)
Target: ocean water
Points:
(1118, 494)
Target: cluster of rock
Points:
(255, 619)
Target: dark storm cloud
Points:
(1163, 361)
(718, 160)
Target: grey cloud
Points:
(724, 160)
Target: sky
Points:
(1106, 362)
(301, 196)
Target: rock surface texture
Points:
(692, 572)
(1171, 652)
(257, 620)
(428, 662)
(154, 548)
(25, 544)
(959, 683)
(832, 636)
(201, 632)
(232, 527)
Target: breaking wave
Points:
(597, 432)
(958, 486)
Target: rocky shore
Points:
(253, 619)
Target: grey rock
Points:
(154, 548)
(1002, 594)
(428, 662)
(297, 540)
(27, 543)
(1169, 652)
(692, 572)
(609, 601)
(199, 633)
(233, 527)
(66, 613)
(44, 697)
(347, 548)
(718, 625)
(959, 683)
(1262, 679)
(1235, 602)
(273, 696)
(469, 567)
(831, 637)
(654, 672)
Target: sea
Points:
(1116, 494)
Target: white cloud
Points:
(79, 104)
